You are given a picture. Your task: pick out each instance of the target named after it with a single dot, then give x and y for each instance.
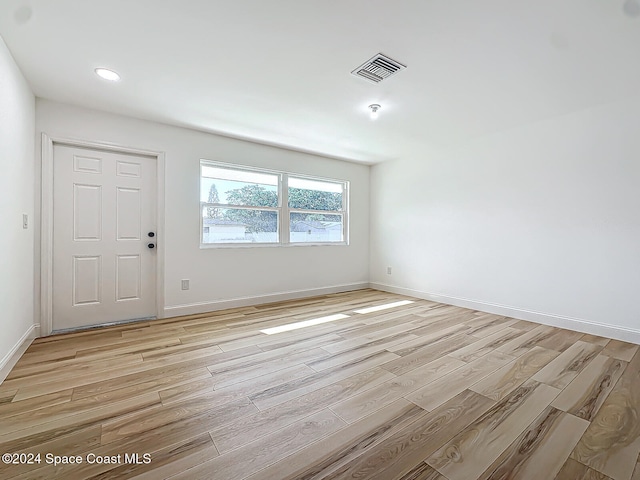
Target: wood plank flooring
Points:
(416, 391)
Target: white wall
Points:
(230, 274)
(17, 116)
(540, 222)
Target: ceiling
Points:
(278, 71)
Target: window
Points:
(249, 206)
(239, 206)
(315, 211)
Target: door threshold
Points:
(101, 325)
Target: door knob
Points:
(151, 245)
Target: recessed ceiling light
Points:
(107, 74)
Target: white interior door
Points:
(103, 225)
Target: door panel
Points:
(128, 213)
(87, 164)
(87, 280)
(104, 206)
(128, 277)
(87, 212)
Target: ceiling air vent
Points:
(378, 68)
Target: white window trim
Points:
(284, 212)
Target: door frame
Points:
(46, 220)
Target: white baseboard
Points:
(203, 307)
(12, 357)
(560, 321)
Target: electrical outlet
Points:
(185, 284)
(388, 270)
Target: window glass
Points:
(235, 225)
(315, 228)
(315, 195)
(238, 187)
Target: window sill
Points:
(207, 246)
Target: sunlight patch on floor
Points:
(377, 308)
(305, 323)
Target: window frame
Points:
(283, 210)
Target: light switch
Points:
(25, 220)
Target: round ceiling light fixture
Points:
(374, 107)
(107, 74)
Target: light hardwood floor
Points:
(414, 392)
